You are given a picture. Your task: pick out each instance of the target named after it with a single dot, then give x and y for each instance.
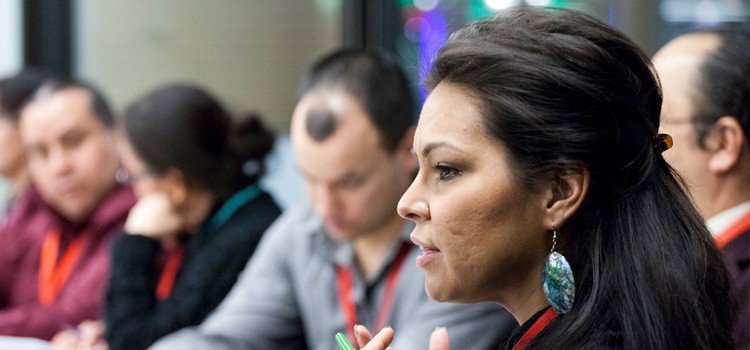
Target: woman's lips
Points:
(427, 256)
(429, 253)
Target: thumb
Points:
(439, 339)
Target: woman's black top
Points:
(212, 261)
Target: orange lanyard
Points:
(537, 327)
(175, 255)
(169, 273)
(344, 277)
(733, 231)
(53, 275)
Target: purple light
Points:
(433, 32)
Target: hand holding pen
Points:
(438, 340)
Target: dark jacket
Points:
(738, 258)
(212, 261)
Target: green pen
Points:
(343, 342)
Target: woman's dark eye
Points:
(446, 173)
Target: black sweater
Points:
(211, 263)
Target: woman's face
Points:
(482, 233)
(142, 181)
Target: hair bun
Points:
(252, 140)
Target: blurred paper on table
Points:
(19, 343)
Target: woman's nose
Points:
(412, 205)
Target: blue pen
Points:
(343, 342)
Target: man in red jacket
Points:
(706, 81)
(54, 243)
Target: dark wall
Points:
(371, 24)
(47, 35)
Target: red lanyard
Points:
(169, 273)
(53, 275)
(734, 230)
(537, 327)
(344, 277)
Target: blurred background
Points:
(252, 53)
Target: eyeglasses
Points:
(676, 121)
(7, 118)
(704, 121)
(123, 176)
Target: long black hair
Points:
(181, 126)
(566, 93)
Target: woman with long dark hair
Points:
(542, 187)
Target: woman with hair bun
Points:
(199, 216)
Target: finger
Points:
(362, 334)
(439, 339)
(91, 332)
(381, 340)
(65, 339)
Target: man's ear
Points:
(727, 141)
(406, 146)
(407, 141)
(564, 197)
(175, 187)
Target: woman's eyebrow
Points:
(440, 144)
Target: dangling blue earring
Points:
(557, 280)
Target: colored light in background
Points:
(704, 11)
(558, 3)
(500, 4)
(539, 2)
(707, 11)
(433, 32)
(477, 9)
(426, 5)
(405, 3)
(412, 28)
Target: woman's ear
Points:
(175, 187)
(565, 197)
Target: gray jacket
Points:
(287, 299)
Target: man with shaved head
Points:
(705, 79)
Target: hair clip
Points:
(663, 142)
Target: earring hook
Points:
(554, 236)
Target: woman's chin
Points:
(437, 291)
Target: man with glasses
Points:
(705, 78)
